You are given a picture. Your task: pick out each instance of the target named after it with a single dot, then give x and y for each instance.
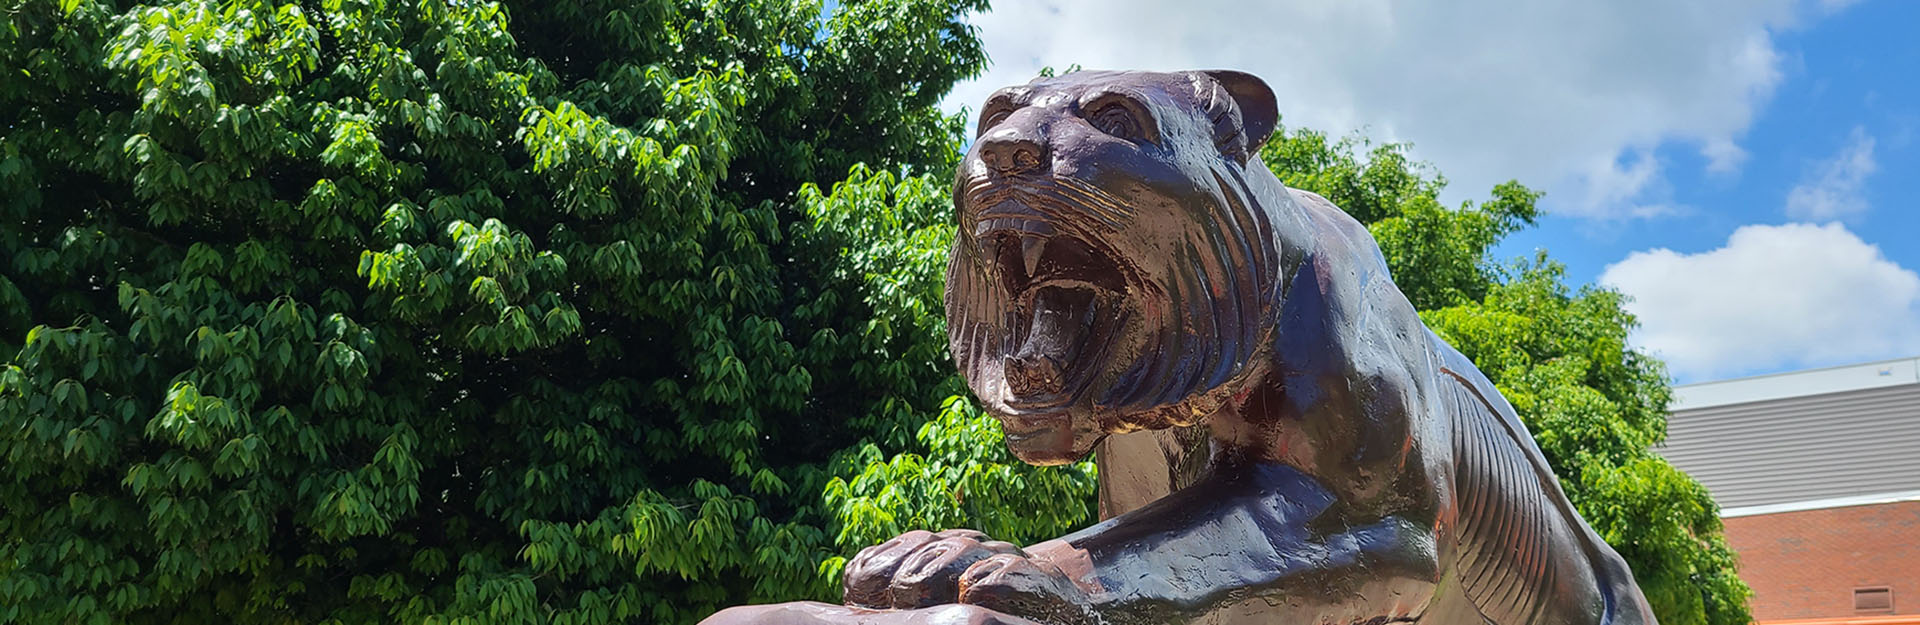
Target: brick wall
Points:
(1806, 564)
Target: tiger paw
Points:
(918, 569)
(1016, 584)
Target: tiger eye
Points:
(1115, 119)
(992, 118)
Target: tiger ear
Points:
(1259, 113)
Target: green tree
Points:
(443, 311)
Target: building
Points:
(1817, 474)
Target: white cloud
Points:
(1723, 156)
(1793, 295)
(1620, 182)
(1486, 89)
(1833, 189)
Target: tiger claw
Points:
(1017, 585)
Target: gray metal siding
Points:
(1852, 443)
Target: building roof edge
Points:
(1866, 375)
(1821, 504)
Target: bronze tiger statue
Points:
(1281, 438)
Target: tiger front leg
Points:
(1260, 542)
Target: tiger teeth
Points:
(1030, 248)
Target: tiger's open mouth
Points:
(1065, 293)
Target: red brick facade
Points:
(1805, 565)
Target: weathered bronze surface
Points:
(1281, 440)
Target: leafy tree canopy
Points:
(447, 311)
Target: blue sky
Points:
(1854, 70)
(1742, 168)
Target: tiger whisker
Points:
(1063, 195)
(1098, 198)
(1071, 199)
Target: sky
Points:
(1739, 168)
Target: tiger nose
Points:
(1013, 149)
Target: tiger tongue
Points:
(1054, 336)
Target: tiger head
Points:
(1114, 267)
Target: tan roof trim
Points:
(1791, 384)
(1895, 619)
(1821, 504)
